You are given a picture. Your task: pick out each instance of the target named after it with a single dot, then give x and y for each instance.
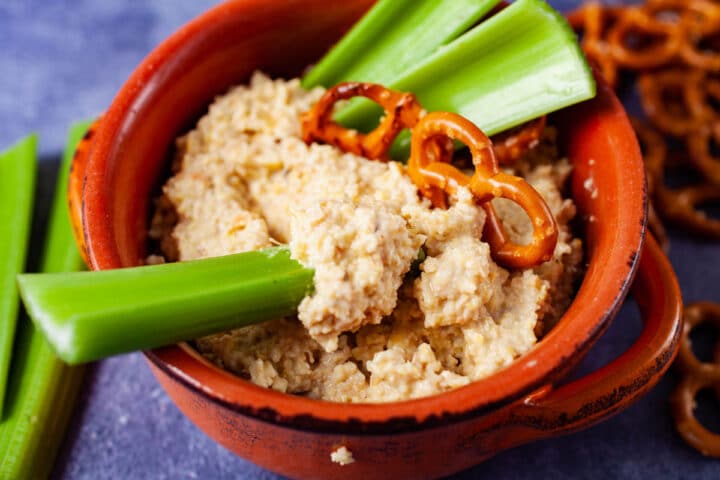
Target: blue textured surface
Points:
(63, 60)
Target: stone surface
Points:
(63, 60)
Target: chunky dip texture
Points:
(372, 330)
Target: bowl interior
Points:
(177, 81)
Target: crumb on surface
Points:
(342, 456)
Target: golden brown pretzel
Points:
(673, 100)
(700, 20)
(593, 20)
(429, 165)
(512, 144)
(697, 375)
(402, 110)
(656, 41)
(435, 177)
(681, 206)
(700, 152)
(654, 152)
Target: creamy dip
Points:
(243, 180)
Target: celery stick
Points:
(42, 388)
(394, 36)
(519, 64)
(17, 185)
(90, 315)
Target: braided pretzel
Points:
(697, 375)
(435, 177)
(429, 166)
(402, 110)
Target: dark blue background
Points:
(62, 61)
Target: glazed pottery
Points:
(427, 437)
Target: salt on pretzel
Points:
(696, 375)
(429, 165)
(435, 178)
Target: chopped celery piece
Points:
(17, 189)
(90, 315)
(393, 37)
(519, 64)
(42, 388)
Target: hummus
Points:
(372, 330)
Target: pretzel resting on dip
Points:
(402, 110)
(429, 165)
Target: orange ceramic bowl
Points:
(427, 437)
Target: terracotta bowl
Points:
(428, 437)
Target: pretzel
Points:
(592, 20)
(700, 20)
(677, 205)
(435, 177)
(402, 110)
(654, 152)
(681, 206)
(512, 144)
(638, 26)
(696, 375)
(686, 112)
(430, 156)
(700, 153)
(697, 17)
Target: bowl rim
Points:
(501, 388)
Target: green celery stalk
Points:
(91, 315)
(392, 37)
(42, 388)
(517, 65)
(17, 185)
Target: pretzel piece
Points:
(639, 40)
(514, 143)
(593, 20)
(402, 110)
(697, 375)
(674, 100)
(654, 150)
(681, 206)
(430, 156)
(699, 142)
(435, 177)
